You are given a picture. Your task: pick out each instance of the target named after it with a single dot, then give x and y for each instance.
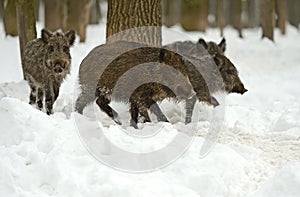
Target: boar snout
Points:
(214, 101)
(239, 89)
(58, 67)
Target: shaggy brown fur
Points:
(46, 62)
(151, 89)
(212, 65)
(147, 85)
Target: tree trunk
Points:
(194, 15)
(293, 12)
(52, 14)
(281, 11)
(78, 16)
(171, 12)
(1, 9)
(10, 19)
(220, 16)
(134, 20)
(213, 12)
(63, 14)
(236, 7)
(36, 6)
(26, 23)
(253, 13)
(56, 14)
(95, 13)
(268, 18)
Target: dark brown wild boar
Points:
(46, 62)
(218, 71)
(144, 87)
(156, 77)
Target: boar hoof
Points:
(214, 102)
(118, 121)
(133, 124)
(188, 120)
(49, 111)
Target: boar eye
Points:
(230, 72)
(51, 49)
(65, 49)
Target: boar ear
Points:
(222, 45)
(46, 35)
(203, 43)
(70, 36)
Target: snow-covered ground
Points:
(257, 152)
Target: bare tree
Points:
(281, 11)
(233, 14)
(194, 15)
(78, 16)
(10, 18)
(268, 18)
(1, 9)
(26, 22)
(36, 7)
(171, 12)
(220, 16)
(293, 12)
(253, 13)
(52, 14)
(134, 20)
(95, 13)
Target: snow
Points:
(257, 151)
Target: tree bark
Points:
(194, 15)
(10, 19)
(281, 11)
(134, 20)
(236, 7)
(253, 13)
(1, 9)
(95, 13)
(220, 16)
(26, 23)
(233, 14)
(268, 18)
(78, 16)
(293, 12)
(63, 13)
(36, 7)
(52, 14)
(213, 11)
(171, 12)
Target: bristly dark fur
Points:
(205, 55)
(144, 95)
(46, 62)
(147, 95)
(149, 77)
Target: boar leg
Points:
(32, 97)
(49, 99)
(84, 99)
(134, 113)
(154, 108)
(144, 114)
(102, 102)
(56, 92)
(189, 106)
(79, 106)
(40, 98)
